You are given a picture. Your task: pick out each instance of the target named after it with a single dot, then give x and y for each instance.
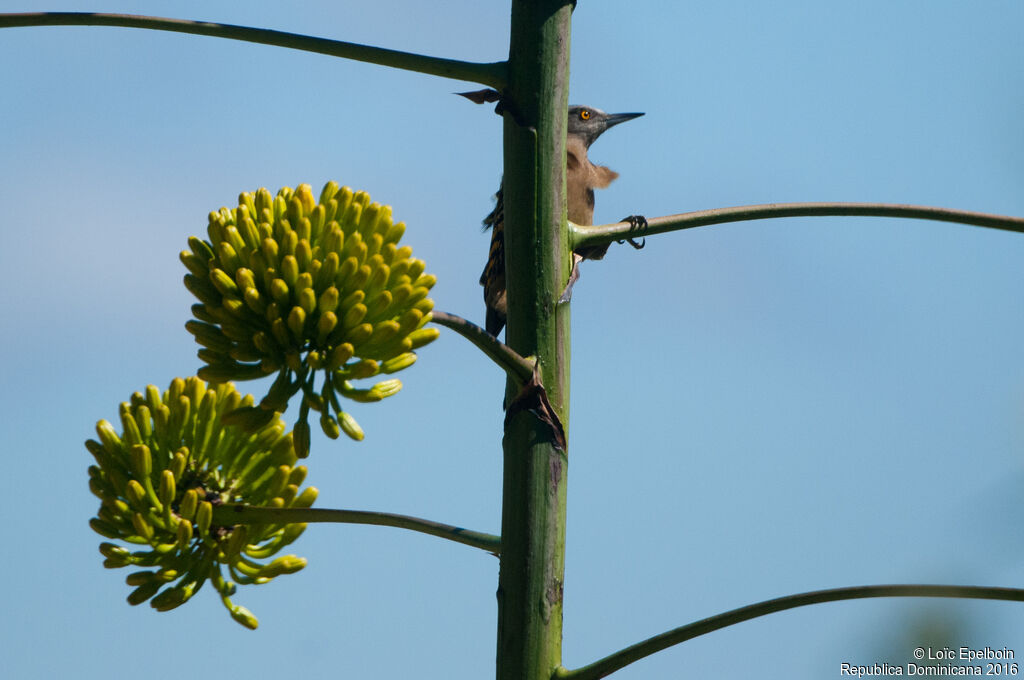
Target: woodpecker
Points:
(581, 178)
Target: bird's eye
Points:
(584, 115)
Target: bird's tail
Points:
(493, 276)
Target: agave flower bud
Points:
(298, 285)
(159, 483)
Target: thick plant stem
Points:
(537, 267)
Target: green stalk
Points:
(487, 74)
(228, 515)
(537, 267)
(501, 354)
(608, 665)
(606, 233)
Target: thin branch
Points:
(247, 514)
(624, 657)
(606, 233)
(499, 352)
(492, 74)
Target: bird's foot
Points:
(636, 223)
(574, 276)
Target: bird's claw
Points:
(636, 223)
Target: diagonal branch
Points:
(246, 514)
(624, 657)
(492, 74)
(500, 353)
(606, 233)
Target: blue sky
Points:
(758, 409)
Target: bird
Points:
(585, 125)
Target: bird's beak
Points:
(616, 118)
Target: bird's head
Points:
(588, 123)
